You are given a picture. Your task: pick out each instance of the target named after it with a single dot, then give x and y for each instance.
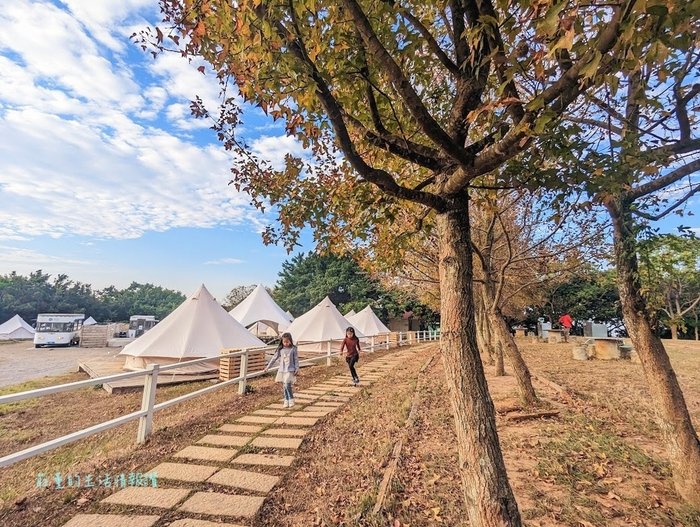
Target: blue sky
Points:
(103, 173)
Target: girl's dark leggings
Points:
(351, 360)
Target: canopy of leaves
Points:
(670, 273)
(38, 293)
(423, 98)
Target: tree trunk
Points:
(507, 343)
(671, 411)
(489, 499)
(500, 369)
(484, 338)
(674, 331)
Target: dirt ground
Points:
(21, 362)
(599, 462)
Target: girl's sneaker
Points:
(286, 404)
(291, 403)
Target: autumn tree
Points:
(422, 99)
(670, 273)
(642, 164)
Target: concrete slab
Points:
(206, 453)
(110, 520)
(289, 432)
(297, 421)
(224, 440)
(190, 522)
(303, 413)
(183, 471)
(218, 504)
(245, 429)
(276, 406)
(256, 419)
(336, 398)
(270, 412)
(148, 497)
(329, 404)
(243, 479)
(290, 443)
(264, 459)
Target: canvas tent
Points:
(259, 306)
(260, 329)
(368, 323)
(318, 326)
(90, 322)
(198, 328)
(349, 314)
(16, 329)
(291, 317)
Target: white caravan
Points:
(58, 329)
(139, 324)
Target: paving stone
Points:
(270, 412)
(305, 397)
(315, 409)
(303, 414)
(276, 406)
(183, 471)
(224, 440)
(292, 432)
(148, 497)
(243, 479)
(111, 520)
(255, 419)
(277, 442)
(264, 459)
(190, 522)
(336, 398)
(298, 421)
(218, 504)
(246, 429)
(311, 391)
(329, 404)
(206, 453)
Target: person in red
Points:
(566, 324)
(351, 346)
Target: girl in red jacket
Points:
(352, 344)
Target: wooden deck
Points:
(104, 366)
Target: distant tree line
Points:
(307, 278)
(41, 293)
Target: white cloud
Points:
(274, 148)
(76, 156)
(224, 261)
(17, 256)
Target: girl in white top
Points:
(288, 368)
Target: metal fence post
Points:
(149, 398)
(243, 373)
(328, 352)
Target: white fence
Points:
(148, 406)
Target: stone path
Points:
(226, 475)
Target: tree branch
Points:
(664, 181)
(403, 86)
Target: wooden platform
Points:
(104, 366)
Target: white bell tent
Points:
(16, 329)
(90, 322)
(349, 314)
(259, 306)
(198, 328)
(368, 323)
(312, 330)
